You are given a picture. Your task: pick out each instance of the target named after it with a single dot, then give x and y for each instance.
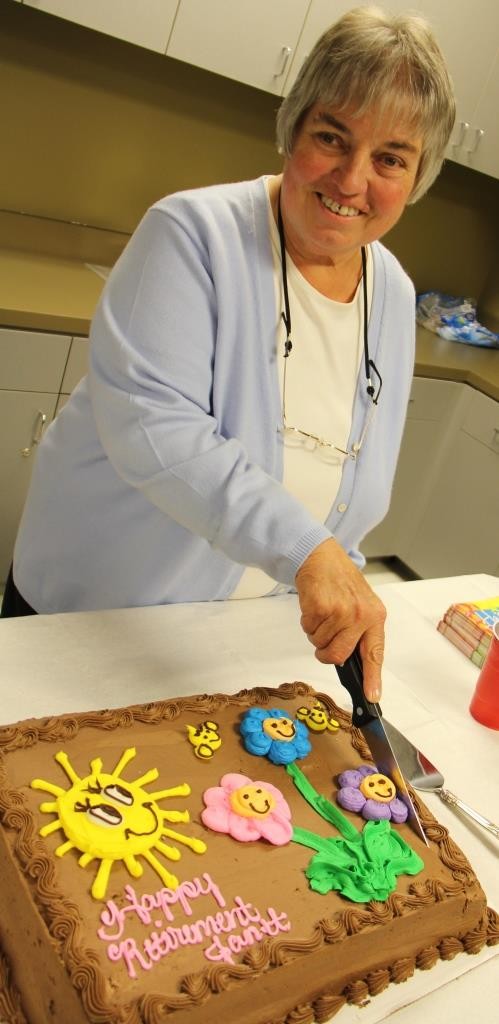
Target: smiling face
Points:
(346, 182)
(110, 819)
(252, 801)
(282, 729)
(101, 815)
(378, 787)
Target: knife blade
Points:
(423, 775)
(367, 717)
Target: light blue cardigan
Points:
(160, 478)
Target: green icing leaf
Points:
(386, 846)
(362, 866)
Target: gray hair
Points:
(371, 59)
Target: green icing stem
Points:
(363, 866)
(320, 804)
(310, 839)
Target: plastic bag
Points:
(453, 318)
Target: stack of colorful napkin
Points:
(469, 627)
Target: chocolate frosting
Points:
(66, 924)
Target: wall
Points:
(449, 240)
(95, 129)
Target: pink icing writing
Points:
(274, 924)
(242, 924)
(145, 906)
(157, 945)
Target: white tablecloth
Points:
(75, 662)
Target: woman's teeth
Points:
(344, 211)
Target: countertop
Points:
(41, 293)
(50, 664)
(452, 360)
(53, 293)
(45, 280)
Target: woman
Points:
(251, 361)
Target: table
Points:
(51, 664)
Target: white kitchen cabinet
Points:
(32, 360)
(468, 39)
(147, 23)
(264, 45)
(459, 531)
(480, 147)
(76, 368)
(444, 515)
(25, 414)
(251, 41)
(432, 415)
(33, 368)
(320, 16)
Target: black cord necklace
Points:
(286, 315)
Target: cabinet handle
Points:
(38, 429)
(463, 128)
(285, 55)
(478, 135)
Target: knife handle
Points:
(455, 801)
(352, 678)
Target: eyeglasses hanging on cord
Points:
(369, 364)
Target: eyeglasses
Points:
(321, 442)
(372, 390)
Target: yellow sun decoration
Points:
(110, 819)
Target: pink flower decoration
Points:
(247, 810)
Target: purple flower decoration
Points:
(372, 794)
(272, 733)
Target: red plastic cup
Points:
(485, 703)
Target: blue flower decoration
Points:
(273, 734)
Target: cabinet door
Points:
(468, 36)
(459, 533)
(480, 146)
(251, 41)
(76, 366)
(321, 15)
(24, 415)
(434, 407)
(147, 23)
(31, 371)
(32, 360)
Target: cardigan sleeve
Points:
(151, 378)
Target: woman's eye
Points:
(329, 138)
(391, 162)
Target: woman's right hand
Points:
(340, 610)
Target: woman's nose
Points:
(351, 173)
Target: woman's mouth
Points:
(339, 208)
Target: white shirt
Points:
(321, 376)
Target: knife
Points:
(423, 775)
(367, 716)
